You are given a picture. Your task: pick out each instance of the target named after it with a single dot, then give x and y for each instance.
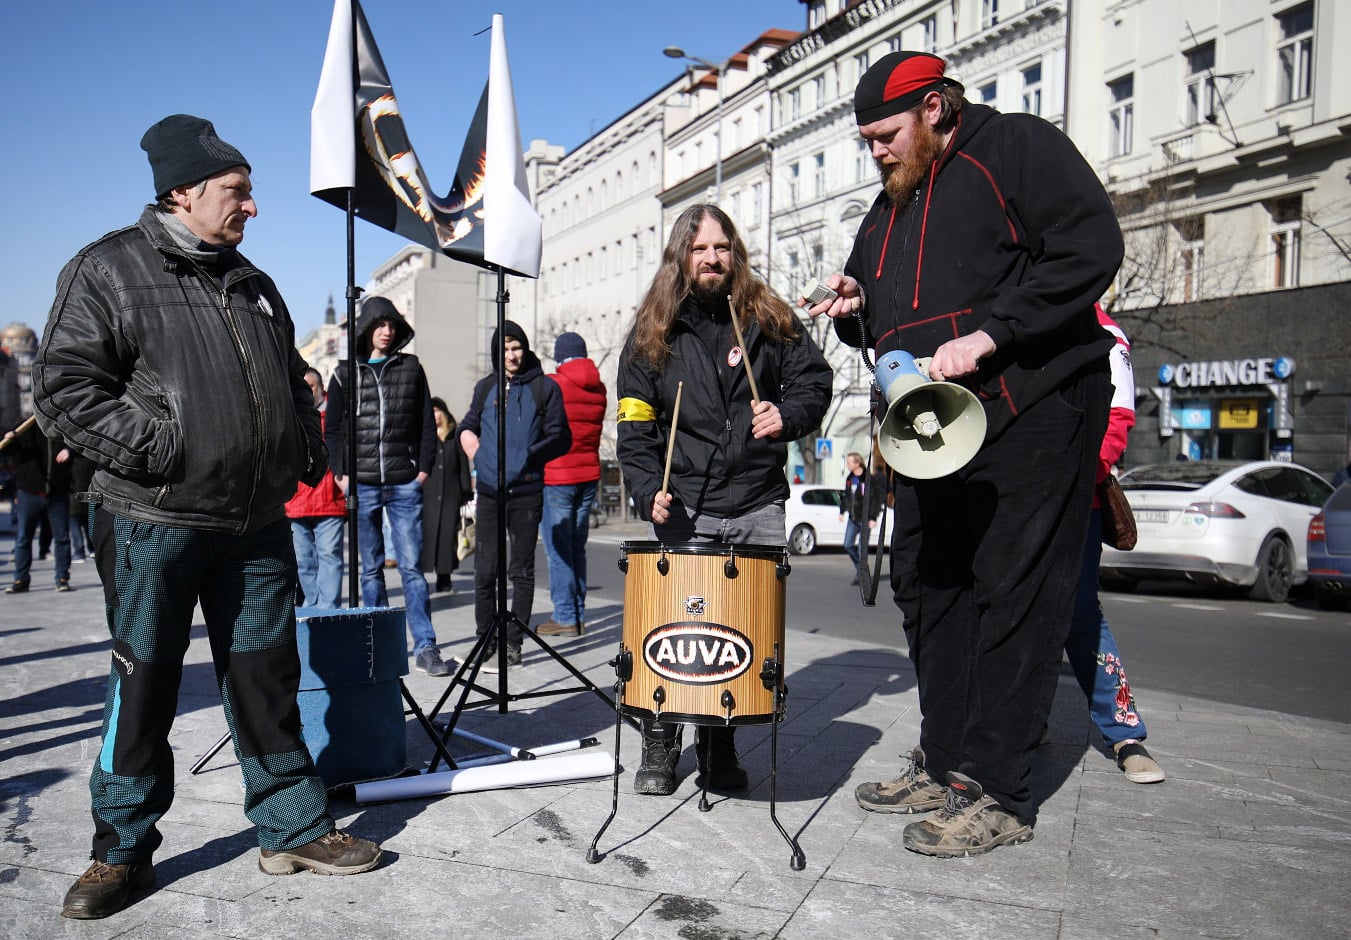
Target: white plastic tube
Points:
(527, 773)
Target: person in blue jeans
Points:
(42, 493)
(396, 448)
(1090, 646)
(318, 514)
(864, 497)
(570, 483)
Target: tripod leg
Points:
(438, 742)
(211, 752)
(704, 805)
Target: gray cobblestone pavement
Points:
(1250, 836)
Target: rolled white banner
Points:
(526, 773)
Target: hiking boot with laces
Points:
(970, 823)
(726, 771)
(656, 775)
(338, 853)
(914, 791)
(105, 889)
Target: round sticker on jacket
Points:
(734, 357)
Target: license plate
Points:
(1151, 515)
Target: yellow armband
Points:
(634, 409)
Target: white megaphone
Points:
(931, 428)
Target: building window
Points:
(1285, 230)
(895, 44)
(989, 13)
(736, 136)
(987, 93)
(1294, 53)
(1199, 90)
(759, 122)
(793, 262)
(819, 176)
(818, 259)
(930, 41)
(1121, 116)
(794, 177)
(736, 207)
(863, 158)
(794, 104)
(1032, 89)
(1191, 256)
(816, 13)
(861, 62)
(819, 91)
(757, 203)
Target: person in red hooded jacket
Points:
(317, 515)
(570, 483)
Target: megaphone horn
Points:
(931, 428)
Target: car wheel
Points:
(802, 541)
(1275, 571)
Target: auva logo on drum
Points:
(697, 652)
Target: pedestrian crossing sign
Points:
(825, 447)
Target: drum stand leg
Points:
(592, 855)
(704, 805)
(799, 860)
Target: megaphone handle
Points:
(923, 366)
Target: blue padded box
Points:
(350, 703)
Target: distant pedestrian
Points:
(570, 485)
(864, 500)
(448, 488)
(42, 494)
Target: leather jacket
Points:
(180, 380)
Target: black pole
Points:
(502, 616)
(349, 417)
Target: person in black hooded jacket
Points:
(396, 448)
(537, 432)
(986, 250)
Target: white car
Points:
(1220, 522)
(812, 518)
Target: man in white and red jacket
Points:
(570, 486)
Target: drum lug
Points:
(769, 674)
(623, 665)
(782, 569)
(729, 568)
(663, 563)
(728, 702)
(624, 563)
(658, 699)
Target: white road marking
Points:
(1284, 616)
(1198, 607)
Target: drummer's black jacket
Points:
(717, 468)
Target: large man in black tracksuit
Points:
(986, 251)
(727, 467)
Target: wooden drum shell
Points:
(697, 633)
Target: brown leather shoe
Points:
(337, 853)
(105, 889)
(553, 628)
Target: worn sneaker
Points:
(105, 889)
(1139, 766)
(429, 661)
(490, 658)
(914, 791)
(970, 823)
(656, 775)
(18, 587)
(63, 586)
(554, 628)
(727, 772)
(338, 853)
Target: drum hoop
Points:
(719, 549)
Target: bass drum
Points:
(703, 639)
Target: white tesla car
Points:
(1220, 522)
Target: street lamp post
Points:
(675, 52)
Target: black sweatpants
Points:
(985, 566)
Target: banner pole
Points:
(350, 401)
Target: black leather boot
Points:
(724, 771)
(656, 775)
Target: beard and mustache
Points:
(902, 175)
(707, 290)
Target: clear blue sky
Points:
(92, 75)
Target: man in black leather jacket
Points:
(169, 360)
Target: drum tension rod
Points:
(658, 699)
(728, 702)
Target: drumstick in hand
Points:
(670, 443)
(24, 425)
(745, 353)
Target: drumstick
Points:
(24, 425)
(670, 443)
(745, 353)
